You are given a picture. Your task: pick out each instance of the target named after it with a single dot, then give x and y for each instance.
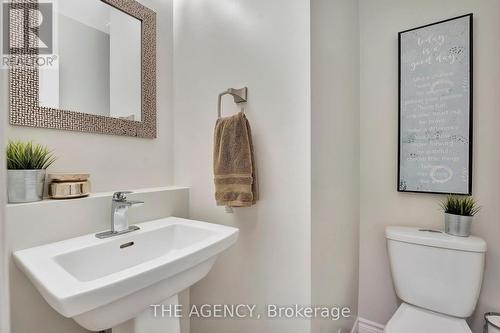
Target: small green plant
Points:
(28, 156)
(464, 206)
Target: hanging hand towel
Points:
(234, 164)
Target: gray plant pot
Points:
(25, 185)
(457, 225)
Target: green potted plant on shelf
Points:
(459, 213)
(26, 163)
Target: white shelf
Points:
(97, 195)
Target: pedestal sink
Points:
(104, 283)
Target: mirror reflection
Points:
(98, 67)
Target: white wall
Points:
(335, 157)
(116, 162)
(125, 67)
(84, 69)
(381, 205)
(93, 13)
(265, 45)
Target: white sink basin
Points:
(101, 283)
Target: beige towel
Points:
(234, 163)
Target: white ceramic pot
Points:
(25, 185)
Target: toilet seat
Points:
(411, 319)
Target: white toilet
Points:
(437, 276)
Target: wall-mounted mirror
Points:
(99, 72)
(102, 73)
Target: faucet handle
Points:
(121, 196)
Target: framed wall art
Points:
(435, 108)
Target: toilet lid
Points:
(410, 319)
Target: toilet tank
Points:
(436, 271)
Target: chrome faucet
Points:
(119, 215)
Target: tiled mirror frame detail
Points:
(25, 109)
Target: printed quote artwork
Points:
(435, 107)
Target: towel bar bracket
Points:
(239, 96)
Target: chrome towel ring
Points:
(239, 96)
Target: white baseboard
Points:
(367, 326)
(355, 326)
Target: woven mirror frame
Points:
(25, 109)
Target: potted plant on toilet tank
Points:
(459, 213)
(26, 163)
